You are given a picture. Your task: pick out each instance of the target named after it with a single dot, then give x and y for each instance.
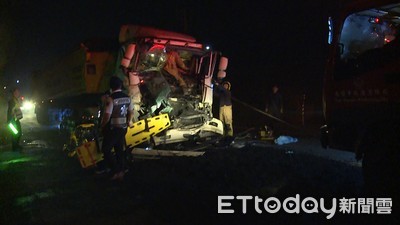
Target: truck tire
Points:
(41, 117)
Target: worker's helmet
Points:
(228, 83)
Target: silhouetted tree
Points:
(5, 35)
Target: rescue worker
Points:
(274, 104)
(14, 115)
(117, 116)
(103, 101)
(274, 107)
(175, 66)
(225, 106)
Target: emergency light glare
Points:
(13, 129)
(376, 20)
(27, 105)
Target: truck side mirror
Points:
(223, 64)
(129, 52)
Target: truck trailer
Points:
(76, 80)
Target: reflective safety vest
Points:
(121, 103)
(17, 112)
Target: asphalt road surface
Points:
(42, 185)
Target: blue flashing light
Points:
(330, 30)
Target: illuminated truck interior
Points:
(368, 39)
(361, 84)
(162, 93)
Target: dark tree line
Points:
(6, 40)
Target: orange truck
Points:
(75, 80)
(168, 75)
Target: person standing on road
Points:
(225, 106)
(117, 116)
(101, 167)
(274, 104)
(14, 115)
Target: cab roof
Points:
(133, 32)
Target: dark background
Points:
(267, 42)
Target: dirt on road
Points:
(41, 185)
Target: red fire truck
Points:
(361, 96)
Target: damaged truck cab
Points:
(169, 78)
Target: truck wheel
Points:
(41, 118)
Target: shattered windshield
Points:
(152, 59)
(171, 79)
(177, 67)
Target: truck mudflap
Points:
(143, 130)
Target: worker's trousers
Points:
(114, 139)
(225, 115)
(15, 137)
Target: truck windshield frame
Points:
(368, 39)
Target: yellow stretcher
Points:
(143, 130)
(88, 154)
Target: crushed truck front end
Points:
(182, 89)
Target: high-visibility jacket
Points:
(121, 105)
(14, 110)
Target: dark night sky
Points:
(266, 41)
